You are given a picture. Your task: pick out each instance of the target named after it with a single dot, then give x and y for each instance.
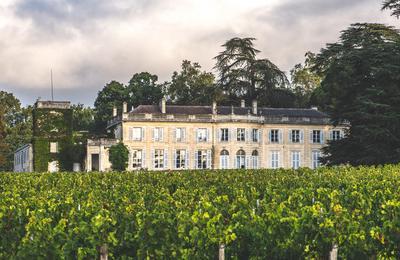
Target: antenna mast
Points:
(52, 87)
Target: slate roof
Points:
(227, 110)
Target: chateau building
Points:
(169, 137)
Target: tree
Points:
(193, 86)
(362, 86)
(143, 90)
(83, 118)
(112, 95)
(3, 145)
(243, 76)
(393, 5)
(304, 80)
(16, 126)
(119, 154)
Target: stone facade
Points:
(196, 137)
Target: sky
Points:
(88, 43)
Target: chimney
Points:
(114, 113)
(163, 105)
(314, 108)
(124, 107)
(254, 105)
(242, 103)
(214, 107)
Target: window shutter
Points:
(142, 134)
(311, 137)
(331, 135)
(195, 159)
(208, 135)
(162, 134)
(197, 135)
(259, 132)
(341, 134)
(143, 158)
(230, 134)
(322, 136)
(183, 134)
(270, 136)
(165, 158)
(153, 158)
(235, 166)
(153, 138)
(280, 133)
(174, 160)
(219, 134)
(130, 133)
(301, 136)
(174, 135)
(247, 162)
(187, 165)
(209, 159)
(247, 135)
(290, 136)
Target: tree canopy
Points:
(361, 85)
(393, 5)
(119, 154)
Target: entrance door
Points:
(95, 162)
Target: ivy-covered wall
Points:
(51, 125)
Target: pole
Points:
(52, 87)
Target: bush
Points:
(119, 157)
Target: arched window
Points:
(240, 159)
(254, 160)
(224, 159)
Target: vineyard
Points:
(265, 214)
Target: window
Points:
(241, 134)
(224, 134)
(137, 159)
(274, 159)
(240, 159)
(202, 135)
(255, 135)
(203, 159)
(158, 134)
(180, 134)
(136, 134)
(295, 136)
(180, 159)
(295, 159)
(274, 136)
(316, 155)
(316, 136)
(254, 160)
(53, 147)
(159, 159)
(224, 159)
(336, 135)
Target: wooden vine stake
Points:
(221, 252)
(103, 252)
(333, 255)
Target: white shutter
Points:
(183, 134)
(290, 136)
(174, 135)
(247, 135)
(143, 158)
(330, 135)
(280, 132)
(322, 136)
(301, 136)
(311, 137)
(247, 162)
(197, 135)
(174, 159)
(229, 134)
(208, 135)
(153, 158)
(235, 163)
(142, 134)
(195, 160)
(270, 136)
(219, 130)
(153, 138)
(259, 132)
(209, 159)
(165, 158)
(162, 134)
(341, 134)
(187, 165)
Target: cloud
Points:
(88, 43)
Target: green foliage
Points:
(393, 5)
(243, 76)
(16, 127)
(83, 118)
(193, 86)
(143, 89)
(41, 154)
(361, 85)
(265, 214)
(119, 155)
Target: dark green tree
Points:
(113, 94)
(119, 154)
(243, 76)
(83, 118)
(361, 86)
(143, 89)
(304, 80)
(192, 86)
(393, 5)
(17, 127)
(3, 145)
